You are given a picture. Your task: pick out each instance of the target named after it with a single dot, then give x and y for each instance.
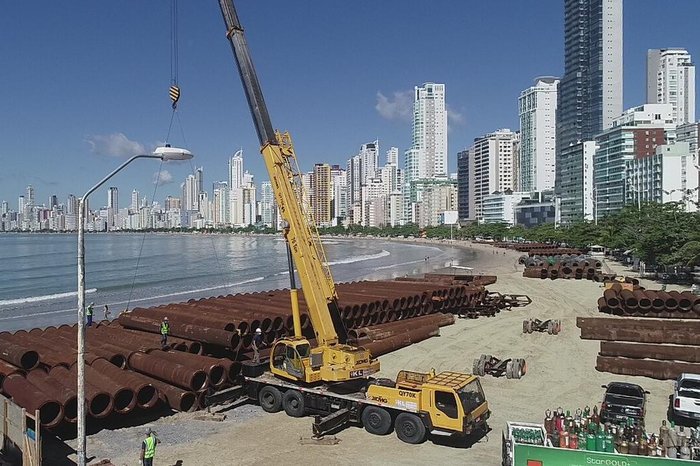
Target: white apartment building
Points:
(492, 167)
(430, 130)
(668, 175)
(671, 80)
(537, 107)
(500, 207)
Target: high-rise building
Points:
(369, 155)
(199, 180)
(537, 107)
(30, 196)
(430, 130)
(634, 135)
(465, 181)
(267, 204)
(190, 194)
(392, 156)
(493, 167)
(339, 180)
(235, 170)
(53, 201)
(113, 198)
(135, 201)
(589, 96)
(671, 80)
(321, 194)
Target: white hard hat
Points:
(258, 330)
(165, 318)
(92, 304)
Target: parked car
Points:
(623, 402)
(686, 396)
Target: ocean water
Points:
(38, 283)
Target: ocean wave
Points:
(48, 297)
(366, 257)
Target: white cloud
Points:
(115, 145)
(162, 177)
(453, 116)
(397, 107)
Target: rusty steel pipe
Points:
(380, 347)
(18, 355)
(124, 398)
(7, 369)
(643, 301)
(651, 351)
(33, 398)
(611, 298)
(640, 330)
(172, 373)
(671, 303)
(658, 304)
(58, 390)
(684, 303)
(193, 332)
(177, 398)
(99, 403)
(656, 369)
(189, 316)
(629, 299)
(146, 393)
(215, 370)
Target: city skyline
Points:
(113, 110)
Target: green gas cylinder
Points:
(590, 442)
(609, 444)
(600, 441)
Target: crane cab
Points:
(295, 359)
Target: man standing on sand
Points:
(107, 314)
(88, 314)
(148, 448)
(164, 331)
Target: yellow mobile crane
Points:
(301, 378)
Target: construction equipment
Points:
(551, 326)
(511, 368)
(301, 376)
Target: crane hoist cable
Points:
(174, 90)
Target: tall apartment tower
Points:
(430, 130)
(321, 194)
(235, 170)
(537, 107)
(113, 198)
(671, 80)
(369, 154)
(589, 95)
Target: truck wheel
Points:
(525, 326)
(293, 402)
(409, 428)
(270, 399)
(376, 420)
(550, 327)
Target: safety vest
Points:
(164, 328)
(150, 450)
(89, 310)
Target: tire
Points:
(523, 367)
(516, 371)
(525, 326)
(409, 428)
(509, 369)
(558, 327)
(476, 366)
(376, 420)
(270, 399)
(293, 402)
(550, 327)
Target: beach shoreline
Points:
(561, 372)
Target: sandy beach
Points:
(561, 372)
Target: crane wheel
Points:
(293, 402)
(270, 399)
(376, 420)
(409, 428)
(509, 369)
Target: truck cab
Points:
(449, 403)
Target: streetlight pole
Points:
(165, 154)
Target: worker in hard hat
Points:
(258, 343)
(88, 313)
(164, 331)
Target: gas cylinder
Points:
(600, 441)
(609, 443)
(624, 447)
(685, 453)
(564, 440)
(671, 452)
(555, 438)
(594, 416)
(634, 447)
(643, 447)
(590, 442)
(548, 422)
(573, 441)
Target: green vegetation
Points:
(661, 234)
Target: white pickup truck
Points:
(686, 396)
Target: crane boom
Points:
(280, 159)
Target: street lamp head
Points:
(167, 153)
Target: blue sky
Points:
(84, 84)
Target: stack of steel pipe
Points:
(650, 303)
(567, 271)
(644, 347)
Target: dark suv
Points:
(622, 402)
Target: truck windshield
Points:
(689, 388)
(472, 396)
